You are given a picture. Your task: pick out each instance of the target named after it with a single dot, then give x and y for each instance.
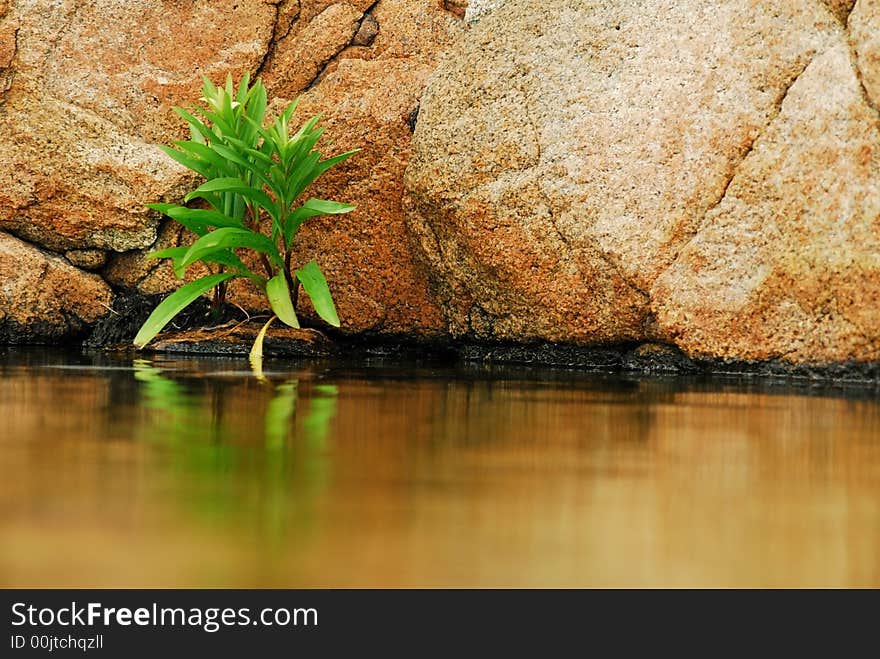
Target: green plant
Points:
(255, 175)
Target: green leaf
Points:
(326, 207)
(232, 156)
(315, 284)
(197, 227)
(174, 253)
(250, 151)
(279, 298)
(195, 135)
(205, 153)
(230, 260)
(299, 181)
(327, 163)
(303, 142)
(220, 257)
(223, 257)
(306, 138)
(243, 85)
(195, 164)
(255, 112)
(196, 220)
(236, 185)
(196, 125)
(222, 125)
(176, 302)
(311, 171)
(230, 238)
(208, 88)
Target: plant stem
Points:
(253, 225)
(292, 283)
(218, 301)
(266, 265)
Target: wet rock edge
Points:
(115, 331)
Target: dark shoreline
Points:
(114, 333)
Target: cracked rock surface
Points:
(91, 90)
(699, 172)
(788, 264)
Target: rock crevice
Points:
(863, 39)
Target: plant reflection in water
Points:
(201, 425)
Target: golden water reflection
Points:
(196, 473)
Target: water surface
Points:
(194, 472)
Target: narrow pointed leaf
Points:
(196, 125)
(230, 260)
(243, 85)
(197, 165)
(220, 122)
(196, 218)
(297, 183)
(256, 356)
(195, 135)
(237, 186)
(174, 253)
(206, 153)
(279, 298)
(195, 225)
(224, 257)
(232, 156)
(316, 170)
(255, 113)
(230, 238)
(174, 303)
(307, 136)
(304, 143)
(290, 109)
(327, 163)
(315, 284)
(208, 88)
(250, 151)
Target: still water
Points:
(181, 472)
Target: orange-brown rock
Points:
(43, 298)
(700, 172)
(92, 86)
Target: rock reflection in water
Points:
(195, 472)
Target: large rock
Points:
(91, 89)
(43, 298)
(571, 157)
(788, 264)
